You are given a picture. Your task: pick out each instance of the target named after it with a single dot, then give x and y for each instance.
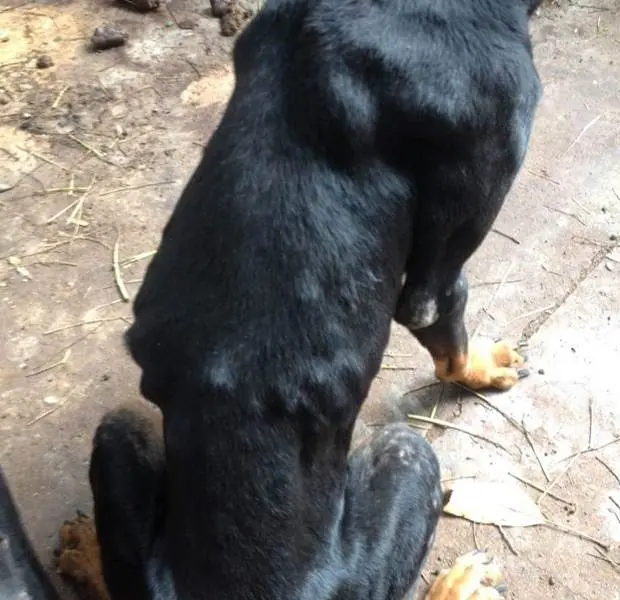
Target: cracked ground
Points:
(94, 150)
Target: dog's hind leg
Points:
(127, 472)
(391, 508)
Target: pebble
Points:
(219, 8)
(107, 37)
(187, 24)
(143, 5)
(4, 36)
(4, 98)
(51, 400)
(44, 62)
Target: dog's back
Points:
(302, 211)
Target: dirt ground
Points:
(94, 150)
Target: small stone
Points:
(551, 580)
(51, 400)
(120, 131)
(541, 371)
(219, 7)
(609, 266)
(187, 24)
(4, 36)
(613, 237)
(107, 37)
(143, 5)
(118, 110)
(5, 187)
(44, 62)
(4, 98)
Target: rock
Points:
(4, 36)
(187, 24)
(44, 62)
(107, 37)
(142, 5)
(234, 19)
(219, 8)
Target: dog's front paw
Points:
(79, 558)
(486, 365)
(474, 577)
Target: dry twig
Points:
(58, 363)
(581, 134)
(507, 540)
(92, 150)
(541, 489)
(138, 187)
(530, 441)
(59, 97)
(593, 449)
(82, 324)
(514, 240)
(576, 533)
(448, 425)
(485, 310)
(118, 278)
(614, 565)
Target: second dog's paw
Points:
(79, 559)
(474, 577)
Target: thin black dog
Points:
(21, 575)
(365, 141)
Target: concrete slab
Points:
(577, 348)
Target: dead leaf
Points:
(494, 503)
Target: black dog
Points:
(21, 575)
(366, 140)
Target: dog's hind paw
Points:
(79, 559)
(486, 365)
(474, 577)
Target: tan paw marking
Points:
(78, 557)
(474, 577)
(486, 365)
